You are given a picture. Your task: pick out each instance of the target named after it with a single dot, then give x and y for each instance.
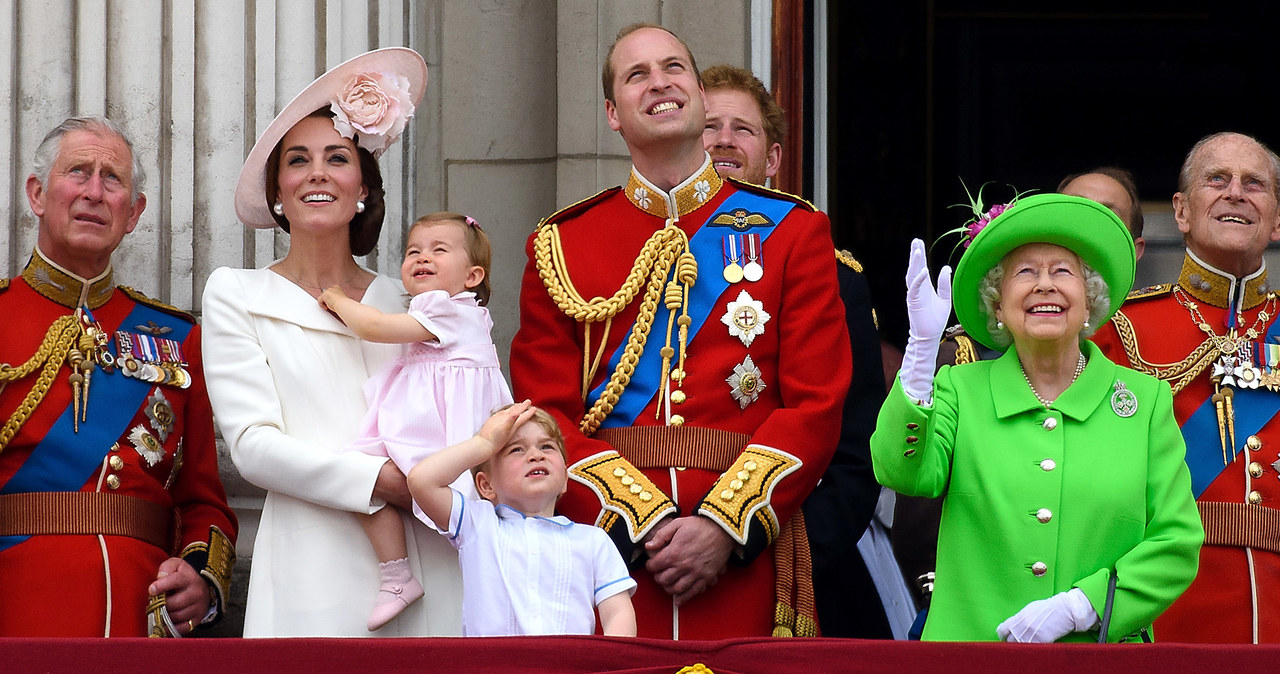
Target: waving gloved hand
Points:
(1047, 620)
(928, 311)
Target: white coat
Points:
(285, 378)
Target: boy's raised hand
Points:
(499, 427)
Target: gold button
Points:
(627, 480)
(744, 475)
(727, 495)
(117, 463)
(1044, 515)
(1048, 465)
(1253, 443)
(1039, 569)
(636, 489)
(677, 375)
(1255, 469)
(1050, 424)
(749, 465)
(735, 484)
(619, 472)
(911, 439)
(680, 468)
(677, 420)
(1255, 498)
(677, 397)
(113, 481)
(646, 496)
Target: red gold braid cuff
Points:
(745, 491)
(623, 490)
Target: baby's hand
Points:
(330, 294)
(498, 428)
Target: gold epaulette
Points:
(745, 491)
(156, 304)
(846, 258)
(1158, 290)
(578, 207)
(4, 284)
(623, 490)
(966, 350)
(766, 191)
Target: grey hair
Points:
(1097, 296)
(47, 152)
(1185, 177)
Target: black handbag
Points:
(1106, 614)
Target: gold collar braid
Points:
(61, 286)
(683, 199)
(1219, 289)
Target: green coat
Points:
(1072, 498)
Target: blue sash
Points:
(64, 459)
(705, 244)
(1253, 409)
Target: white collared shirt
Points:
(531, 575)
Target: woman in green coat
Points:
(1061, 470)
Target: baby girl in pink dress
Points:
(440, 390)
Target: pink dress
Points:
(435, 393)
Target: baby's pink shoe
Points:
(399, 589)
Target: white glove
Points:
(928, 311)
(1047, 620)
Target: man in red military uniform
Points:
(1213, 336)
(113, 521)
(686, 333)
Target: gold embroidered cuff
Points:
(214, 561)
(624, 490)
(745, 490)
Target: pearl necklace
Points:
(1079, 368)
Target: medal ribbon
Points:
(1254, 408)
(706, 246)
(64, 459)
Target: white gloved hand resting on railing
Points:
(1047, 620)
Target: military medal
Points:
(732, 253)
(746, 318)
(160, 414)
(746, 383)
(1123, 402)
(752, 271)
(156, 360)
(146, 445)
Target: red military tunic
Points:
(1233, 448)
(738, 433)
(68, 584)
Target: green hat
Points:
(1080, 225)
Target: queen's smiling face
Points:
(1042, 296)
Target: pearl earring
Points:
(359, 206)
(1086, 324)
(278, 209)
(999, 325)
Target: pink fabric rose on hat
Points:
(375, 104)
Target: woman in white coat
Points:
(285, 377)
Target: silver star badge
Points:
(146, 444)
(746, 318)
(745, 383)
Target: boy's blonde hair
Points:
(548, 424)
(479, 251)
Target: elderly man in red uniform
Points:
(686, 333)
(1213, 336)
(113, 521)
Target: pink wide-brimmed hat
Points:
(372, 96)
